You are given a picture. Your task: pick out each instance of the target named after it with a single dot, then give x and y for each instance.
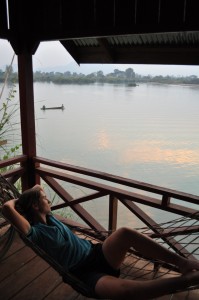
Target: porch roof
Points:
(100, 31)
(95, 31)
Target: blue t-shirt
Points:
(58, 241)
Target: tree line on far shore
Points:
(128, 77)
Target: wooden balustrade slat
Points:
(88, 219)
(166, 200)
(113, 209)
(80, 200)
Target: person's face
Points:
(44, 203)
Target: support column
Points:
(26, 93)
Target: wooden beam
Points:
(13, 160)
(108, 53)
(142, 54)
(25, 72)
(72, 50)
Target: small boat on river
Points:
(53, 107)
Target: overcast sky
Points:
(53, 54)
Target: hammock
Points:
(185, 230)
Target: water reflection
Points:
(103, 140)
(155, 151)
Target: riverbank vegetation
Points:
(127, 77)
(8, 126)
(9, 120)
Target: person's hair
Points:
(26, 200)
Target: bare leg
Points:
(118, 243)
(116, 288)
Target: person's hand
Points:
(11, 203)
(12, 213)
(37, 186)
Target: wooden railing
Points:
(99, 184)
(129, 192)
(13, 168)
(117, 188)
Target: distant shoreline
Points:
(127, 77)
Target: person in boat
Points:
(98, 265)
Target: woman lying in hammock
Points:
(97, 265)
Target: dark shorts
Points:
(94, 267)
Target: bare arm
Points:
(16, 219)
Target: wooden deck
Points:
(24, 275)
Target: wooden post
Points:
(165, 200)
(25, 72)
(113, 207)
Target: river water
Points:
(148, 133)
